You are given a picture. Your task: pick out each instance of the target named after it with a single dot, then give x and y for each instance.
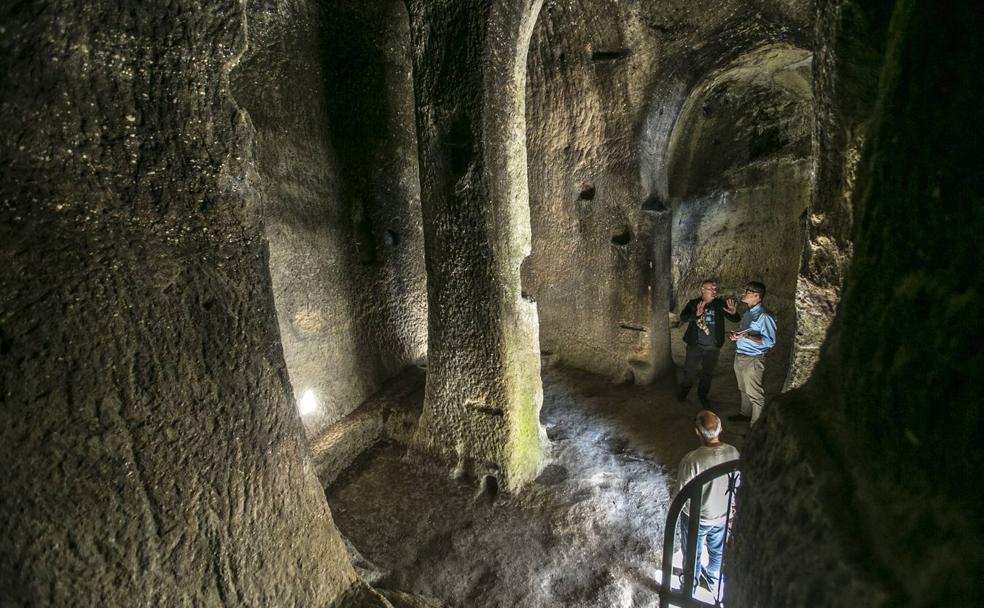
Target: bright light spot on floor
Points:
(308, 403)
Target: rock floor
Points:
(586, 533)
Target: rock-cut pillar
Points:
(483, 391)
(150, 452)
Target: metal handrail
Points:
(692, 492)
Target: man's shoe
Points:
(739, 418)
(703, 581)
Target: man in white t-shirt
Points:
(714, 500)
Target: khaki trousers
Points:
(748, 372)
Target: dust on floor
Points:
(586, 533)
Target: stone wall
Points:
(607, 81)
(329, 94)
(859, 488)
(151, 451)
(848, 56)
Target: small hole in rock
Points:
(609, 54)
(490, 487)
(391, 239)
(491, 411)
(364, 240)
(587, 192)
(622, 238)
(653, 203)
(461, 145)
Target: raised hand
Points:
(700, 307)
(730, 306)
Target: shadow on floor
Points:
(586, 533)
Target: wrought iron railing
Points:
(684, 596)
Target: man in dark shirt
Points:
(704, 338)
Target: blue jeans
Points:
(713, 536)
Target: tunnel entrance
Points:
(739, 167)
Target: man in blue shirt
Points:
(754, 339)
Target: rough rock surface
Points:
(849, 47)
(151, 451)
(329, 93)
(178, 176)
(483, 394)
(603, 102)
(860, 487)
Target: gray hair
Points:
(708, 425)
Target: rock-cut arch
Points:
(738, 177)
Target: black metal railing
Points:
(684, 597)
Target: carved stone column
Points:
(483, 391)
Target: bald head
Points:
(708, 425)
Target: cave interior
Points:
(377, 303)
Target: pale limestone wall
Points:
(329, 95)
(607, 82)
(151, 451)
